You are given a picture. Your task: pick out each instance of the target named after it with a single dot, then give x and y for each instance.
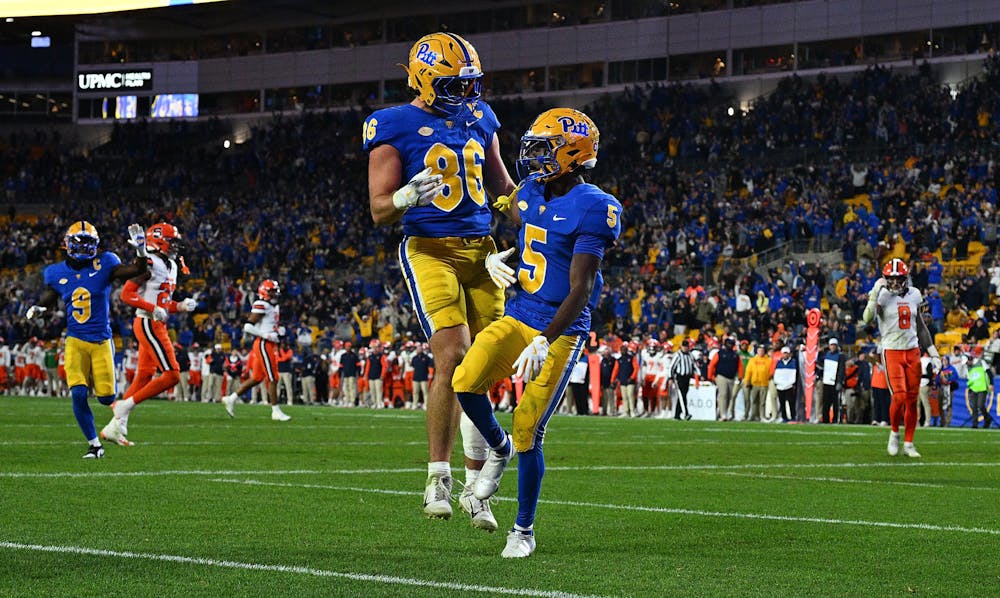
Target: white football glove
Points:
(876, 289)
(34, 311)
(160, 314)
(420, 191)
(249, 328)
(137, 239)
(273, 337)
(936, 363)
(529, 362)
(501, 274)
(188, 304)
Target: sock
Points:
(530, 469)
(527, 531)
(122, 408)
(84, 416)
(480, 410)
(94, 441)
(471, 475)
(439, 468)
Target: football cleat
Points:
(113, 432)
(280, 416)
(230, 401)
(519, 545)
(94, 452)
(437, 497)
(893, 447)
(488, 482)
(910, 451)
(479, 510)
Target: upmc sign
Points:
(141, 80)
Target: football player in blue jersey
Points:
(83, 282)
(566, 225)
(430, 165)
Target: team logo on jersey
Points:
(571, 125)
(522, 205)
(425, 131)
(63, 281)
(426, 55)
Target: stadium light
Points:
(34, 8)
(9, 19)
(226, 144)
(731, 111)
(35, 33)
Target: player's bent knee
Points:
(464, 381)
(173, 376)
(473, 443)
(106, 400)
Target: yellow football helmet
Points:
(445, 72)
(560, 141)
(81, 240)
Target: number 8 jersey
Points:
(455, 148)
(895, 318)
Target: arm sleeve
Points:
(711, 366)
(380, 128)
(130, 295)
(599, 227)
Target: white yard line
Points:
(298, 570)
(402, 470)
(764, 476)
(673, 511)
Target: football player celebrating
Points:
(896, 306)
(565, 227)
(430, 164)
(151, 294)
(263, 325)
(83, 281)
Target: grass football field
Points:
(329, 504)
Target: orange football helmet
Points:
(164, 238)
(269, 290)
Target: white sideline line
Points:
(673, 511)
(382, 579)
(101, 474)
(850, 481)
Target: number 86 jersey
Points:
(453, 147)
(896, 316)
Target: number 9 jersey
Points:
(86, 293)
(453, 147)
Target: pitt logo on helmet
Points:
(425, 55)
(570, 125)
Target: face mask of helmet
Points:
(81, 246)
(453, 94)
(538, 157)
(896, 284)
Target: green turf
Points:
(329, 504)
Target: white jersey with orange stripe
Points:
(896, 316)
(159, 288)
(271, 315)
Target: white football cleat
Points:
(113, 433)
(230, 401)
(910, 451)
(280, 416)
(488, 482)
(893, 447)
(479, 510)
(437, 497)
(518, 545)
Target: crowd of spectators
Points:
(703, 191)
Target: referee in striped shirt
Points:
(682, 369)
